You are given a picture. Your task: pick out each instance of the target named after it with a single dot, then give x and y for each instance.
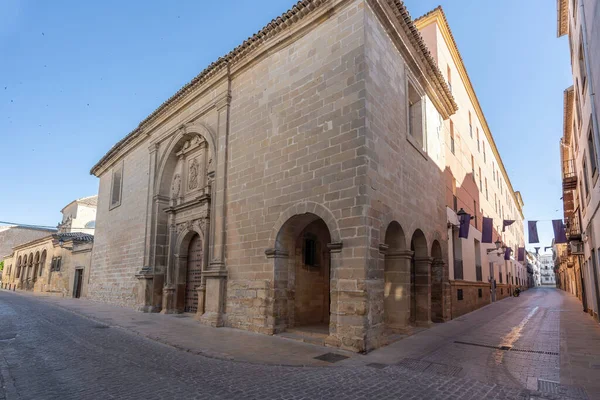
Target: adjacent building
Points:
(56, 263)
(79, 216)
(475, 182)
(12, 235)
(578, 263)
(547, 262)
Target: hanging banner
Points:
(507, 222)
(521, 254)
(507, 253)
(559, 231)
(532, 231)
(487, 228)
(465, 222)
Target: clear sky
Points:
(77, 76)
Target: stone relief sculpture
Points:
(193, 180)
(176, 186)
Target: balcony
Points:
(573, 227)
(569, 177)
(458, 269)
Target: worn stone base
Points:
(471, 300)
(213, 319)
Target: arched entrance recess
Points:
(303, 273)
(397, 288)
(181, 214)
(438, 278)
(420, 280)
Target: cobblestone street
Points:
(49, 352)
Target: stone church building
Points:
(296, 182)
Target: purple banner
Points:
(521, 254)
(487, 228)
(507, 253)
(465, 222)
(533, 234)
(559, 231)
(507, 222)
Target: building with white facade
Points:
(79, 216)
(547, 270)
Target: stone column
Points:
(216, 272)
(343, 324)
(279, 313)
(200, 311)
(423, 290)
(169, 300)
(396, 290)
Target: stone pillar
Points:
(201, 290)
(423, 290)
(396, 290)
(144, 294)
(280, 311)
(169, 300)
(216, 272)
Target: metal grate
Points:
(377, 365)
(573, 392)
(508, 348)
(331, 357)
(429, 367)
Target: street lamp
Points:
(499, 247)
(61, 243)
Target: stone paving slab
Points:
(183, 332)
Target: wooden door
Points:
(78, 283)
(193, 274)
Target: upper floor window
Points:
(486, 190)
(477, 131)
(415, 114)
(449, 78)
(592, 150)
(483, 144)
(574, 10)
(585, 177)
(116, 186)
(473, 166)
(480, 185)
(452, 144)
(582, 70)
(470, 126)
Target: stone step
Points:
(319, 341)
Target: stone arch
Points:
(302, 268)
(396, 271)
(29, 265)
(43, 261)
(36, 265)
(420, 310)
(304, 208)
(183, 134)
(19, 267)
(439, 276)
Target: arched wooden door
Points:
(193, 274)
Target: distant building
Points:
(57, 262)
(547, 270)
(79, 216)
(13, 235)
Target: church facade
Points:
(298, 181)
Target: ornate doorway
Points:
(193, 274)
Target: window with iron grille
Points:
(478, 273)
(479, 293)
(459, 294)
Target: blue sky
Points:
(75, 77)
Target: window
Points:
(455, 203)
(577, 105)
(310, 251)
(475, 211)
(501, 290)
(500, 277)
(483, 145)
(449, 77)
(459, 294)
(452, 137)
(58, 263)
(493, 172)
(574, 10)
(479, 293)
(582, 70)
(473, 166)
(90, 225)
(592, 150)
(496, 203)
(585, 177)
(581, 197)
(575, 136)
(470, 126)
(486, 191)
(477, 131)
(480, 185)
(116, 187)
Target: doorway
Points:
(78, 283)
(193, 274)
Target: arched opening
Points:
(396, 290)
(193, 273)
(420, 309)
(438, 277)
(181, 204)
(302, 275)
(19, 267)
(29, 271)
(36, 266)
(42, 262)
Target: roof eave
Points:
(562, 20)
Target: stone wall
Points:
(404, 183)
(119, 238)
(470, 296)
(11, 236)
(296, 140)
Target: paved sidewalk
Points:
(183, 332)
